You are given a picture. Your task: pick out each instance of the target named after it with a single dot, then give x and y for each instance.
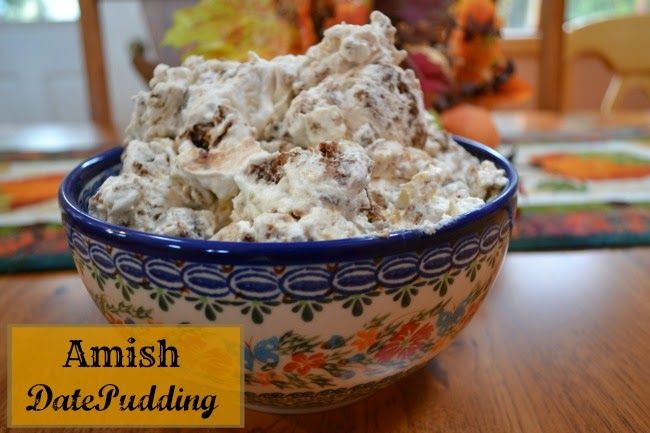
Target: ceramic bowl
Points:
(325, 323)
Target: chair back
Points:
(91, 35)
(622, 43)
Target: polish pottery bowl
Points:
(325, 323)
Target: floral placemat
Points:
(31, 235)
(582, 194)
(36, 247)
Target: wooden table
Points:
(561, 344)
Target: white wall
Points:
(42, 73)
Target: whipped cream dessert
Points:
(332, 144)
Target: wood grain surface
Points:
(550, 58)
(91, 36)
(561, 344)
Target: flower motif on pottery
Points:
(406, 342)
(448, 319)
(302, 363)
(334, 342)
(265, 352)
(265, 378)
(364, 339)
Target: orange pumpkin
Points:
(472, 122)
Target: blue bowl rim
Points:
(268, 252)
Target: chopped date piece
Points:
(270, 170)
(329, 149)
(199, 134)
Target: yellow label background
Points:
(209, 357)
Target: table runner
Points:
(585, 194)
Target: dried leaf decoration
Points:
(230, 29)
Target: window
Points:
(583, 11)
(521, 17)
(30, 11)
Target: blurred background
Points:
(560, 87)
(43, 77)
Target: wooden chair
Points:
(622, 43)
(94, 60)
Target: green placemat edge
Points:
(49, 262)
(580, 242)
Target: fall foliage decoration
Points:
(455, 49)
(229, 29)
